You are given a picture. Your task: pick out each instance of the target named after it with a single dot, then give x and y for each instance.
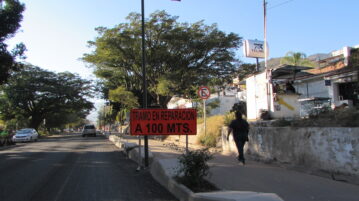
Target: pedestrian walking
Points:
(240, 128)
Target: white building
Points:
(332, 84)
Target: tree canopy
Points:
(179, 56)
(34, 94)
(10, 18)
(245, 70)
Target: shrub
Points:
(281, 123)
(241, 107)
(193, 168)
(264, 115)
(208, 140)
(325, 118)
(199, 120)
(228, 118)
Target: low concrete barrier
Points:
(333, 150)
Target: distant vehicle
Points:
(25, 135)
(89, 130)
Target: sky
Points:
(56, 32)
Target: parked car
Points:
(25, 135)
(89, 129)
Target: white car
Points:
(25, 135)
(89, 130)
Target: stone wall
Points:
(330, 149)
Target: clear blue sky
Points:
(56, 32)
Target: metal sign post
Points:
(204, 116)
(204, 93)
(139, 154)
(186, 144)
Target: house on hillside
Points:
(294, 91)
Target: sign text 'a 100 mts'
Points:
(163, 122)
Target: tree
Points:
(245, 70)
(296, 59)
(106, 115)
(10, 18)
(36, 94)
(127, 101)
(179, 56)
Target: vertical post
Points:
(257, 64)
(268, 73)
(139, 154)
(144, 81)
(265, 33)
(186, 144)
(204, 115)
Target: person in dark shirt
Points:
(240, 128)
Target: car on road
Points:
(89, 130)
(25, 135)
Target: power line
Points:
(280, 4)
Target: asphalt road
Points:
(73, 168)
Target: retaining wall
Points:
(330, 149)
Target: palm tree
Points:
(296, 59)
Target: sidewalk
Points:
(227, 174)
(290, 185)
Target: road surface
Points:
(73, 168)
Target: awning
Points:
(288, 71)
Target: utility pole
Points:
(144, 81)
(265, 33)
(268, 72)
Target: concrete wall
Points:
(226, 104)
(285, 105)
(330, 149)
(312, 88)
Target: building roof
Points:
(289, 71)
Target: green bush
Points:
(193, 168)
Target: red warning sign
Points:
(163, 122)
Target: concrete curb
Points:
(131, 149)
(163, 171)
(165, 178)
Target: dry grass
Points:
(213, 131)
